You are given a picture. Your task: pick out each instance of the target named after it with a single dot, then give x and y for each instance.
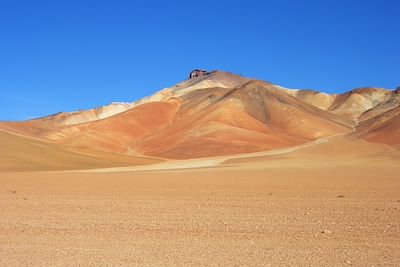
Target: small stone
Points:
(327, 232)
(13, 191)
(348, 262)
(340, 196)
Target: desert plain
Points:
(296, 208)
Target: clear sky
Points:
(69, 55)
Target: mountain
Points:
(351, 104)
(220, 113)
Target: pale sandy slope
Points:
(19, 153)
(308, 207)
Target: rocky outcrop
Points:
(198, 73)
(397, 90)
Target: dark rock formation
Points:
(198, 73)
(397, 90)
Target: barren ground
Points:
(270, 211)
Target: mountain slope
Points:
(351, 104)
(391, 103)
(254, 117)
(82, 116)
(383, 128)
(119, 134)
(18, 153)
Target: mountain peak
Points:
(198, 73)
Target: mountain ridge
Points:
(217, 113)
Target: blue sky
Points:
(69, 55)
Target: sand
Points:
(21, 153)
(277, 210)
